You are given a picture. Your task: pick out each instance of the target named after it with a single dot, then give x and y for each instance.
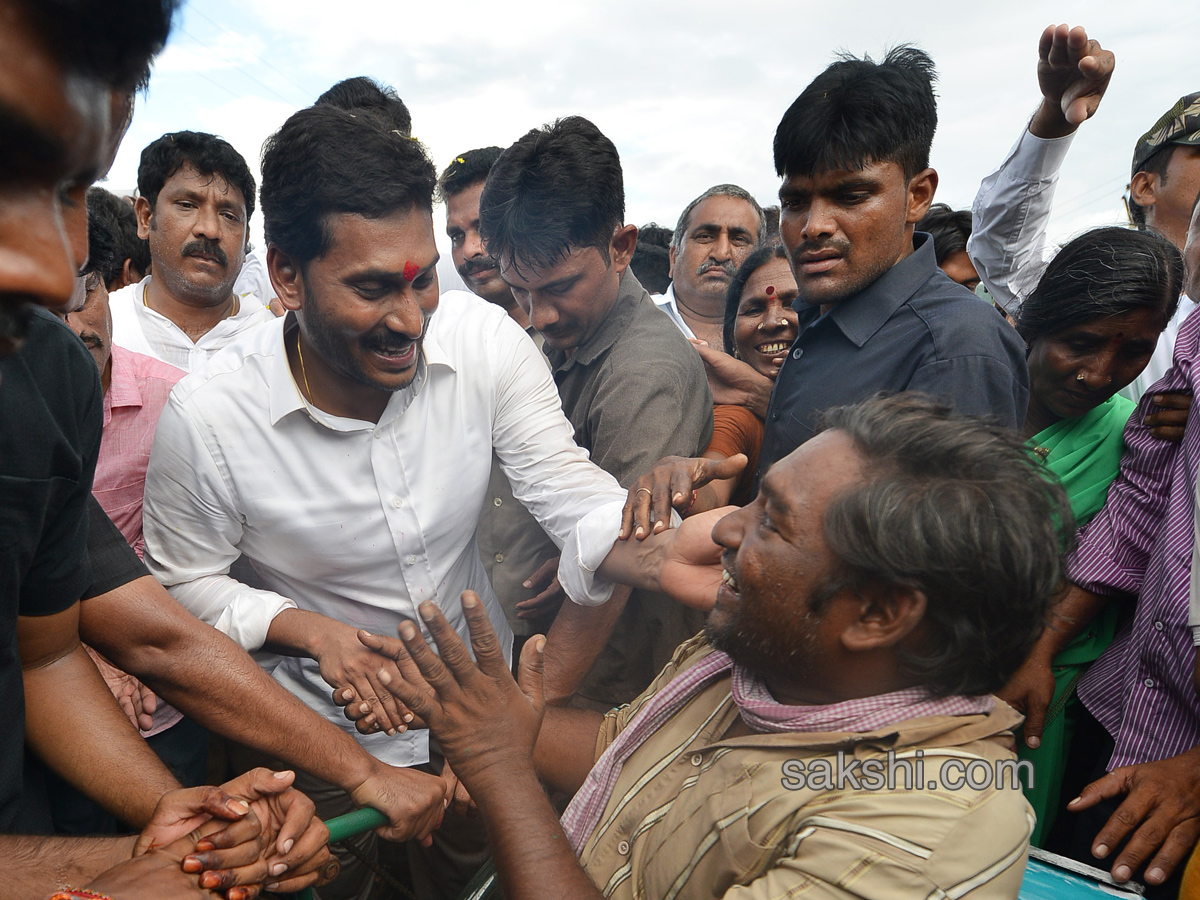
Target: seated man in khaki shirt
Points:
(832, 733)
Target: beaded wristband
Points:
(78, 894)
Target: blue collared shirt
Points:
(913, 329)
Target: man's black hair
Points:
(102, 243)
(651, 262)
(361, 94)
(858, 112)
(557, 189)
(956, 508)
(466, 170)
(119, 219)
(110, 40)
(206, 153)
(950, 229)
(325, 161)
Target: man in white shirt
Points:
(715, 233)
(196, 197)
(1012, 209)
(373, 410)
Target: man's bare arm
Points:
(37, 865)
(197, 669)
(65, 696)
(576, 640)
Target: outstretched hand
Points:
(462, 698)
(672, 483)
(1073, 74)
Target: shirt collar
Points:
(282, 391)
(629, 294)
(285, 396)
(123, 387)
(863, 314)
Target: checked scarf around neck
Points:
(760, 711)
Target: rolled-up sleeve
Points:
(1010, 215)
(192, 531)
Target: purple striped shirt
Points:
(1140, 689)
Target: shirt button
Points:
(499, 557)
(797, 353)
(378, 435)
(1158, 626)
(1149, 682)
(397, 502)
(623, 848)
(497, 502)
(697, 759)
(775, 416)
(412, 560)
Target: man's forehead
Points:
(574, 261)
(720, 209)
(383, 242)
(820, 467)
(824, 177)
(189, 179)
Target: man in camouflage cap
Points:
(1165, 177)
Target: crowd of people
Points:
(852, 558)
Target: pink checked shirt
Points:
(136, 396)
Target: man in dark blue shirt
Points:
(876, 314)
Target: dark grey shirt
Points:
(913, 329)
(635, 392)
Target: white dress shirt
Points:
(253, 279)
(141, 329)
(668, 304)
(1010, 248)
(360, 521)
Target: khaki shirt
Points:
(697, 816)
(635, 392)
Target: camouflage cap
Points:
(1179, 125)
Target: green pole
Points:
(347, 826)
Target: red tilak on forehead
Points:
(770, 289)
(410, 271)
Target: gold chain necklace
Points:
(303, 371)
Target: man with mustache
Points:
(196, 197)
(714, 235)
(876, 314)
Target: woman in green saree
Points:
(1091, 326)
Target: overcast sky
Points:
(689, 93)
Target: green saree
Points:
(1084, 453)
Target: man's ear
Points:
(921, 188)
(1143, 188)
(671, 257)
(143, 211)
(621, 247)
(286, 278)
(887, 615)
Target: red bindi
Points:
(770, 289)
(410, 271)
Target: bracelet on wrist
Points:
(78, 894)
